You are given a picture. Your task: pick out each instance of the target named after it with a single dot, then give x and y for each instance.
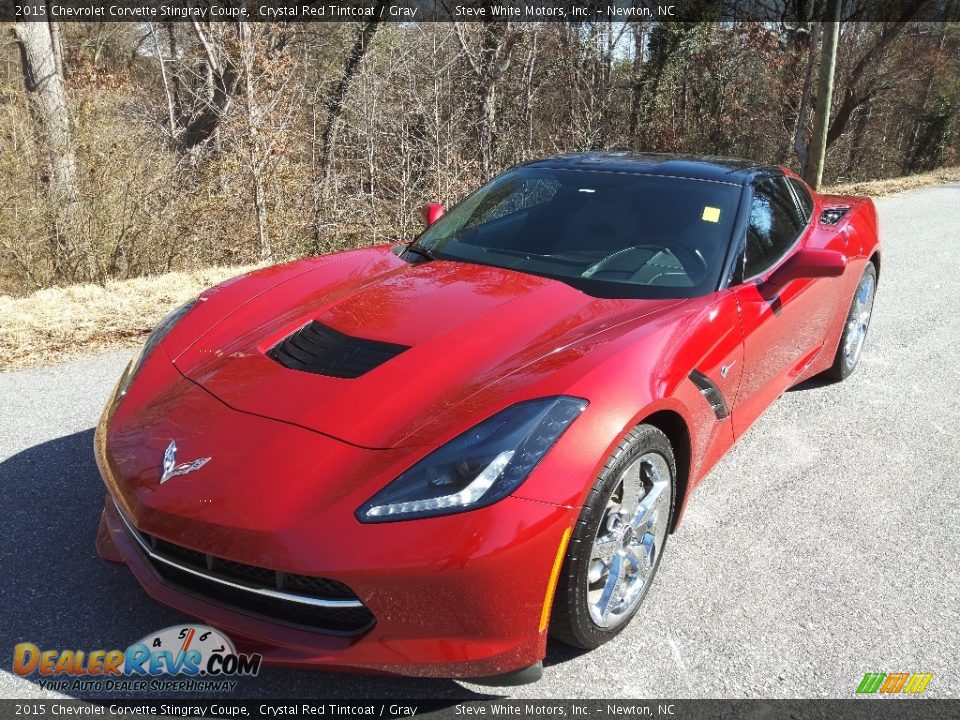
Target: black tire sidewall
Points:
(571, 622)
(840, 370)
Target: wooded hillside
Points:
(130, 149)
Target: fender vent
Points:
(833, 215)
(319, 349)
(708, 388)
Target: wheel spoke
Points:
(604, 549)
(647, 512)
(596, 572)
(612, 587)
(638, 563)
(649, 544)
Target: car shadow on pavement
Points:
(559, 653)
(814, 383)
(56, 593)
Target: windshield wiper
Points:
(423, 252)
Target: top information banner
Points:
(407, 11)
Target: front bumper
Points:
(454, 596)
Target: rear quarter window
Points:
(803, 197)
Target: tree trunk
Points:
(221, 82)
(828, 64)
(256, 162)
(854, 96)
(800, 146)
(49, 96)
(488, 119)
(171, 115)
(638, 80)
(529, 93)
(51, 113)
(339, 95)
(496, 48)
(331, 125)
(56, 40)
(857, 144)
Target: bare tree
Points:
(56, 38)
(189, 143)
(221, 81)
(800, 146)
(268, 98)
(638, 79)
(168, 95)
(45, 86)
(497, 40)
(860, 89)
(255, 159)
(339, 95)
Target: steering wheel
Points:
(691, 259)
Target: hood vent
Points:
(319, 349)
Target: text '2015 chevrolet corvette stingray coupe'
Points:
(422, 459)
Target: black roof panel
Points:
(699, 167)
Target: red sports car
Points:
(421, 459)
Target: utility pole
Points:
(821, 123)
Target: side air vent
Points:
(319, 349)
(833, 215)
(708, 388)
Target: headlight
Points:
(155, 336)
(479, 467)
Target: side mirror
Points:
(807, 263)
(431, 212)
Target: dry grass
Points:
(81, 319)
(890, 186)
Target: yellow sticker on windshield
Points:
(711, 214)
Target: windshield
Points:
(608, 234)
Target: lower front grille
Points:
(331, 620)
(312, 603)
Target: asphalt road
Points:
(824, 546)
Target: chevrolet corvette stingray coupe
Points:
(423, 459)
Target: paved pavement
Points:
(824, 546)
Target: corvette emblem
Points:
(170, 467)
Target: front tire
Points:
(855, 329)
(618, 541)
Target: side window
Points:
(803, 197)
(774, 225)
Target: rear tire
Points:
(855, 327)
(617, 543)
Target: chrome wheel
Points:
(629, 539)
(859, 320)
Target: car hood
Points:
(466, 327)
